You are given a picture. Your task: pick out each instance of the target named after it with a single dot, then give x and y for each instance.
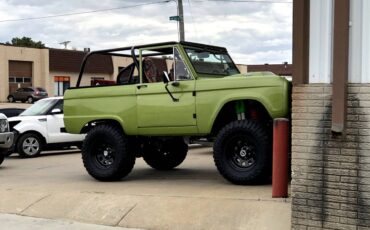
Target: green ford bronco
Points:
(170, 93)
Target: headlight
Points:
(3, 126)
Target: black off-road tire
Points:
(165, 154)
(29, 145)
(242, 152)
(2, 156)
(106, 154)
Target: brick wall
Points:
(330, 173)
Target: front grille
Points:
(12, 124)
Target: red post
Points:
(280, 158)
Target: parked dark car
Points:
(11, 112)
(29, 94)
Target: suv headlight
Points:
(4, 127)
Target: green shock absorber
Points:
(240, 110)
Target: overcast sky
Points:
(253, 32)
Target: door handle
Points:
(141, 86)
(42, 119)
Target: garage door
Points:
(20, 75)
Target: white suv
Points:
(41, 126)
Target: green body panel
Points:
(156, 112)
(213, 94)
(82, 105)
(147, 109)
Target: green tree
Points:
(26, 42)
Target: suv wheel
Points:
(106, 154)
(11, 99)
(165, 155)
(30, 100)
(242, 152)
(29, 145)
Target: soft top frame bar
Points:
(111, 52)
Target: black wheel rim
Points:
(241, 152)
(104, 154)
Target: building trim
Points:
(340, 64)
(301, 34)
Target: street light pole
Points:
(181, 20)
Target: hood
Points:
(24, 118)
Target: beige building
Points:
(53, 69)
(22, 67)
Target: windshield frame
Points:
(48, 106)
(214, 52)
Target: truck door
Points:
(155, 106)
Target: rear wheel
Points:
(106, 154)
(29, 145)
(165, 154)
(242, 152)
(11, 99)
(30, 100)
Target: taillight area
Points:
(37, 92)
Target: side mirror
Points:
(166, 78)
(56, 111)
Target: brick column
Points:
(330, 173)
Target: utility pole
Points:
(181, 20)
(65, 43)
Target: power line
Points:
(85, 12)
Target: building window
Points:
(20, 80)
(61, 83)
(96, 80)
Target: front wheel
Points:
(106, 155)
(165, 154)
(242, 152)
(29, 145)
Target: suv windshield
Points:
(211, 62)
(39, 108)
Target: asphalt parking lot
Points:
(194, 196)
(56, 186)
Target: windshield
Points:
(211, 62)
(39, 108)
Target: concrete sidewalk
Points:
(16, 222)
(14, 105)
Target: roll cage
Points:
(132, 53)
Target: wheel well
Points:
(43, 139)
(94, 123)
(253, 110)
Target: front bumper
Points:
(6, 140)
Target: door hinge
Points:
(194, 115)
(194, 93)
